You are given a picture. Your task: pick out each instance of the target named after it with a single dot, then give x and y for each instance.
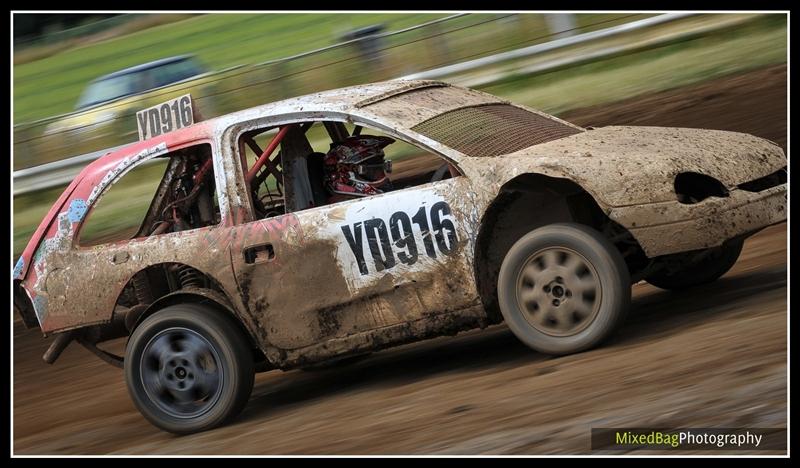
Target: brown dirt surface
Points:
(713, 356)
(753, 102)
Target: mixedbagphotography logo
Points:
(689, 439)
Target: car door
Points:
(350, 267)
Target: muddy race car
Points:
(243, 259)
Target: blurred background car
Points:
(138, 79)
(104, 113)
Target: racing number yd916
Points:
(395, 240)
(165, 117)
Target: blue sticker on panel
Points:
(77, 208)
(18, 267)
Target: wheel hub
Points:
(180, 372)
(558, 291)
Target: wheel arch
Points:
(208, 291)
(203, 296)
(529, 201)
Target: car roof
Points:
(350, 99)
(341, 99)
(145, 66)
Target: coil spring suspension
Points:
(141, 287)
(189, 277)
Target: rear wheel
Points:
(563, 288)
(711, 267)
(188, 368)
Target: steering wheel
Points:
(442, 173)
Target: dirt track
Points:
(711, 357)
(753, 102)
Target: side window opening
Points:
(264, 172)
(306, 165)
(171, 193)
(411, 165)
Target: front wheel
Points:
(188, 368)
(563, 288)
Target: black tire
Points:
(718, 262)
(563, 288)
(192, 353)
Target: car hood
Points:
(634, 165)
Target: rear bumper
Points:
(672, 227)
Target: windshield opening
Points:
(108, 90)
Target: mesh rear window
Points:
(492, 129)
